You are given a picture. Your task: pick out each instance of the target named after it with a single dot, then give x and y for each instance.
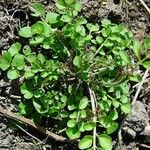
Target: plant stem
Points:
(93, 104)
(100, 47)
(16, 117)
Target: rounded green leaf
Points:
(4, 64)
(83, 103)
(99, 40)
(39, 39)
(27, 50)
(32, 58)
(92, 27)
(125, 57)
(124, 98)
(25, 107)
(89, 126)
(37, 93)
(66, 18)
(77, 6)
(73, 115)
(25, 89)
(86, 142)
(147, 43)
(37, 28)
(69, 2)
(28, 74)
(61, 4)
(126, 108)
(18, 61)
(80, 125)
(80, 21)
(77, 61)
(71, 123)
(136, 78)
(73, 133)
(47, 29)
(105, 32)
(105, 22)
(46, 45)
(41, 58)
(52, 17)
(13, 74)
(41, 108)
(81, 30)
(137, 47)
(37, 9)
(83, 113)
(63, 99)
(113, 115)
(25, 32)
(64, 114)
(116, 103)
(146, 64)
(15, 48)
(7, 56)
(28, 95)
(105, 141)
(105, 121)
(112, 128)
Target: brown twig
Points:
(146, 7)
(16, 117)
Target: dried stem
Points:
(146, 7)
(32, 136)
(140, 86)
(16, 117)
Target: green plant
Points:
(75, 72)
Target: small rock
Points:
(137, 120)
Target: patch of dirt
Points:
(15, 13)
